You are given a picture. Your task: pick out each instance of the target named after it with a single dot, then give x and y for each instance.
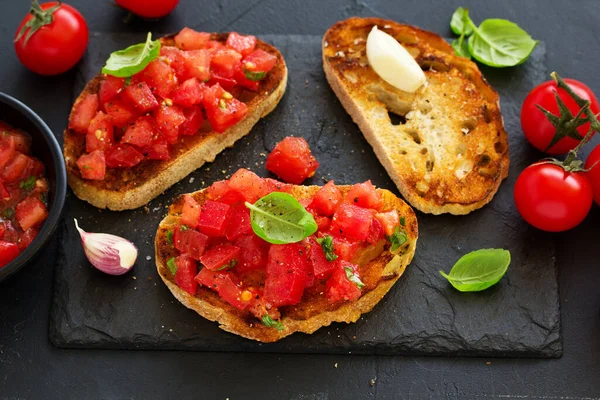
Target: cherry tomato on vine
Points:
(552, 199)
(149, 8)
(51, 38)
(538, 129)
(593, 165)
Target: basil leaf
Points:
(327, 246)
(397, 239)
(500, 43)
(171, 265)
(128, 62)
(478, 270)
(28, 184)
(457, 23)
(278, 218)
(271, 323)
(170, 237)
(352, 277)
(402, 221)
(254, 76)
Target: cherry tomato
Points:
(593, 164)
(149, 8)
(552, 199)
(59, 36)
(536, 127)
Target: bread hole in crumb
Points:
(487, 114)
(390, 100)
(429, 165)
(499, 147)
(424, 106)
(422, 188)
(396, 119)
(467, 126)
(402, 151)
(484, 160)
(461, 149)
(424, 150)
(414, 134)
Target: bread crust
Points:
(456, 174)
(209, 305)
(130, 188)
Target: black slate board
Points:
(422, 314)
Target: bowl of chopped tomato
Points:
(33, 184)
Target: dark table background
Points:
(30, 367)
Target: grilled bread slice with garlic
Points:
(444, 145)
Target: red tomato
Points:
(259, 61)
(186, 272)
(222, 109)
(159, 150)
(189, 93)
(4, 195)
(194, 64)
(160, 78)
(226, 83)
(27, 238)
(221, 257)
(193, 121)
(8, 252)
(345, 248)
(168, 120)
(536, 127)
(141, 133)
(352, 221)
(593, 164)
(222, 192)
(375, 232)
(552, 199)
(83, 112)
(321, 268)
(239, 222)
(55, 47)
(31, 213)
(7, 149)
(239, 77)
(292, 160)
(190, 241)
(119, 113)
(253, 254)
(364, 195)
(223, 283)
(16, 169)
(109, 88)
(93, 165)
(189, 39)
(240, 43)
(248, 184)
(190, 212)
(123, 156)
(327, 200)
(214, 218)
(339, 288)
(149, 8)
(141, 97)
(287, 269)
(22, 139)
(100, 133)
(223, 61)
(389, 220)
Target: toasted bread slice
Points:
(130, 188)
(448, 150)
(379, 270)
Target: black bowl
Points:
(46, 148)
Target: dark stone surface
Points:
(422, 314)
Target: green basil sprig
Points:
(397, 239)
(496, 42)
(478, 270)
(327, 246)
(271, 323)
(279, 218)
(172, 265)
(130, 61)
(352, 277)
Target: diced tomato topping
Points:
(193, 121)
(365, 195)
(375, 232)
(174, 57)
(159, 150)
(321, 268)
(287, 268)
(223, 284)
(30, 213)
(8, 252)
(327, 200)
(239, 222)
(241, 43)
(141, 97)
(389, 220)
(248, 184)
(168, 120)
(35, 168)
(208, 278)
(194, 64)
(292, 160)
(123, 156)
(27, 238)
(190, 212)
(339, 288)
(141, 133)
(189, 93)
(222, 109)
(186, 272)
(221, 257)
(4, 195)
(109, 88)
(190, 241)
(83, 112)
(226, 83)
(119, 112)
(16, 169)
(213, 218)
(222, 192)
(93, 165)
(277, 186)
(352, 221)
(223, 60)
(22, 139)
(344, 248)
(259, 61)
(189, 39)
(240, 78)
(214, 45)
(100, 133)
(253, 253)
(160, 78)
(323, 222)
(7, 149)
(2, 229)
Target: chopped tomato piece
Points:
(223, 60)
(292, 160)
(7, 149)
(327, 200)
(35, 168)
(339, 288)
(189, 93)
(8, 252)
(2, 229)
(375, 232)
(190, 241)
(222, 192)
(160, 78)
(389, 220)
(223, 283)
(365, 195)
(239, 222)
(109, 88)
(323, 222)
(16, 169)
(194, 64)
(321, 268)
(276, 186)
(193, 121)
(83, 112)
(186, 272)
(209, 278)
(100, 133)
(253, 253)
(27, 238)
(352, 221)
(93, 165)
(241, 43)
(287, 267)
(222, 109)
(168, 120)
(22, 139)
(141, 133)
(31, 213)
(240, 78)
(189, 39)
(221, 257)
(213, 218)
(344, 248)
(214, 45)
(174, 57)
(248, 184)
(190, 212)
(225, 83)
(159, 150)
(259, 61)
(4, 195)
(119, 112)
(123, 156)
(141, 97)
